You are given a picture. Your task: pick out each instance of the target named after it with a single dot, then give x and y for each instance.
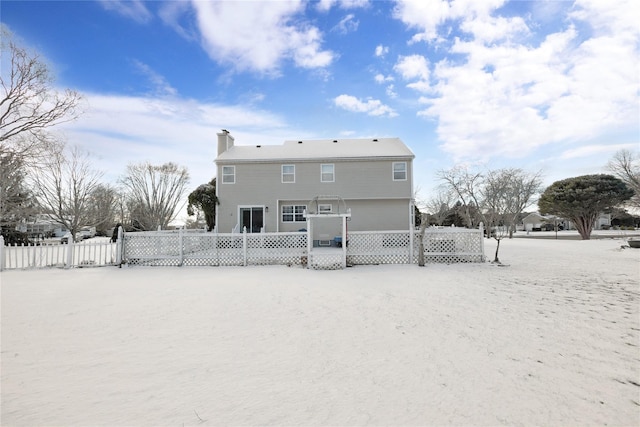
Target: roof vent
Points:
(335, 140)
(375, 140)
(258, 146)
(299, 142)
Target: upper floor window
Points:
(327, 173)
(288, 173)
(228, 174)
(399, 171)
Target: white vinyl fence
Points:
(199, 248)
(95, 252)
(177, 248)
(182, 247)
(452, 245)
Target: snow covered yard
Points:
(553, 339)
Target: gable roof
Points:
(325, 149)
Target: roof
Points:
(307, 150)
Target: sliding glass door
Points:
(252, 217)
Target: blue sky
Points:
(541, 85)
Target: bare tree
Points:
(500, 196)
(29, 106)
(625, 165)
(103, 204)
(63, 187)
(29, 103)
(439, 206)
(465, 185)
(153, 193)
(507, 192)
(16, 201)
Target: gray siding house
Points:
(269, 187)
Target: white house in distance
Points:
(270, 187)
(535, 222)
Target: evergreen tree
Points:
(583, 198)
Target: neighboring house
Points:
(41, 226)
(603, 222)
(269, 187)
(534, 221)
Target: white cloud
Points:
(258, 36)
(390, 91)
(173, 14)
(132, 9)
(428, 16)
(619, 17)
(505, 95)
(160, 85)
(414, 67)
(326, 5)
(381, 50)
(124, 129)
(381, 78)
(604, 150)
(348, 24)
(491, 29)
(372, 107)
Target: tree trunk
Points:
(584, 225)
(495, 258)
(423, 226)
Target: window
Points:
(399, 171)
(228, 174)
(327, 173)
(293, 213)
(288, 173)
(324, 209)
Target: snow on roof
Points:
(320, 149)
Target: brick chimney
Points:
(225, 141)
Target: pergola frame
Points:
(311, 214)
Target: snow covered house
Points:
(271, 187)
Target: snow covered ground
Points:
(553, 339)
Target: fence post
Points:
(181, 248)
(344, 242)
(309, 242)
(482, 240)
(70, 246)
(2, 250)
(119, 247)
(244, 245)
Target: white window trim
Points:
(393, 171)
(233, 175)
(333, 174)
(293, 214)
(282, 174)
